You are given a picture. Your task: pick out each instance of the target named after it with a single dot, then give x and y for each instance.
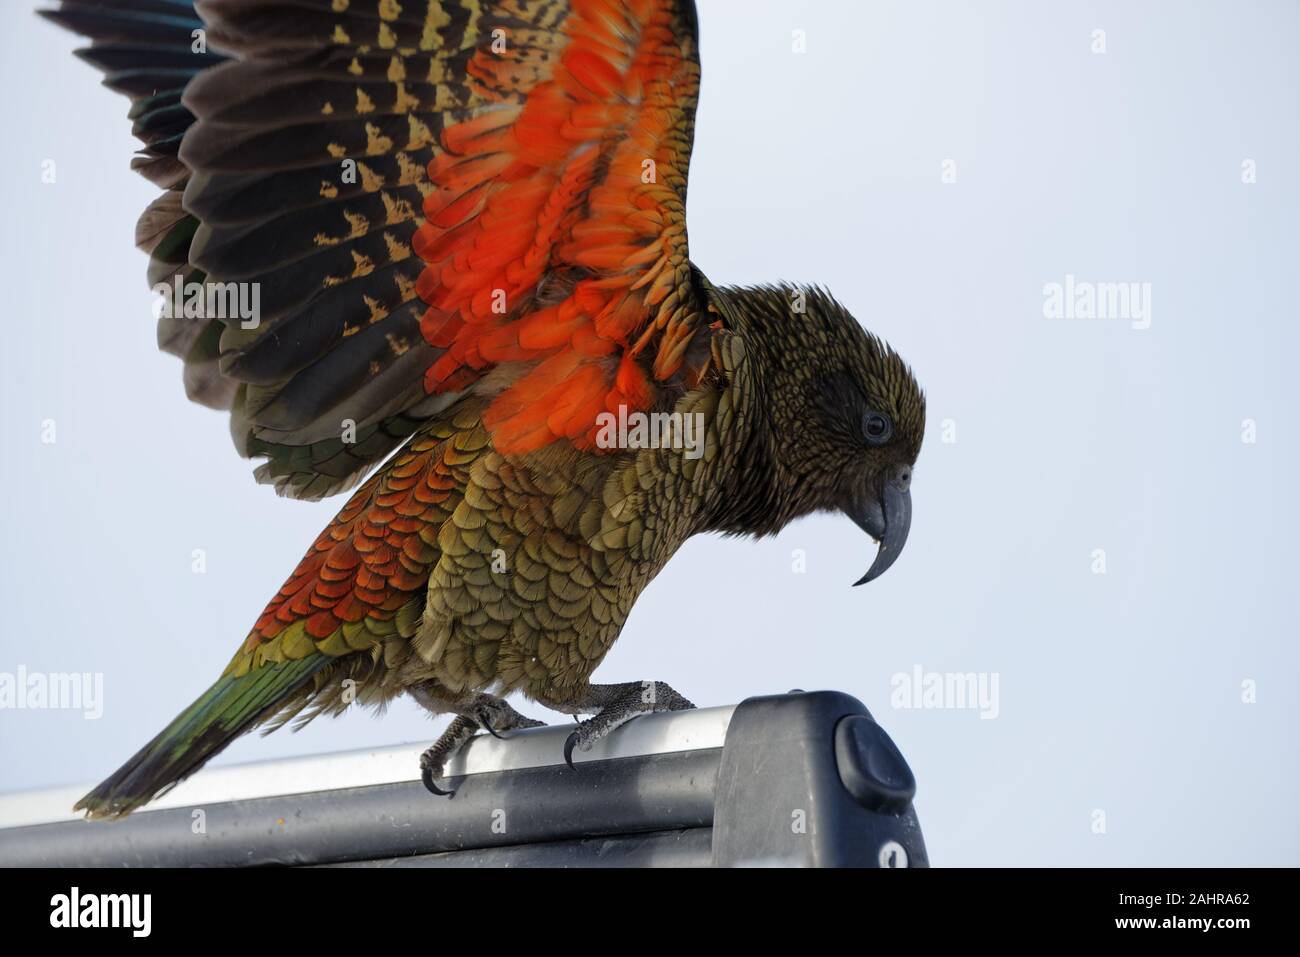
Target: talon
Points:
(569, 744)
(426, 775)
(483, 722)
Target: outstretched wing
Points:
(427, 196)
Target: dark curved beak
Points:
(886, 517)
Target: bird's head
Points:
(844, 416)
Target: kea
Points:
(434, 253)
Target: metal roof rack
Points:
(786, 780)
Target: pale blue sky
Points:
(1118, 692)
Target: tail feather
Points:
(221, 714)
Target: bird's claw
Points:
(487, 726)
(570, 743)
(430, 770)
(427, 776)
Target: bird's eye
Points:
(877, 428)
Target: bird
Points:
(433, 254)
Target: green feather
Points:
(222, 713)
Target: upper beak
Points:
(886, 518)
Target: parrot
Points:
(433, 254)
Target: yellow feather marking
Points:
(434, 20)
(471, 27)
(397, 250)
(420, 135)
(376, 141)
(404, 102)
(362, 265)
(446, 98)
(398, 210)
(405, 286)
(377, 310)
(370, 180)
(411, 172)
(358, 223)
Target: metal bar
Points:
(686, 848)
(531, 805)
(536, 747)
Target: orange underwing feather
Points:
(580, 186)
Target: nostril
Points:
(904, 476)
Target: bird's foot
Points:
(495, 715)
(484, 711)
(615, 705)
(435, 757)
